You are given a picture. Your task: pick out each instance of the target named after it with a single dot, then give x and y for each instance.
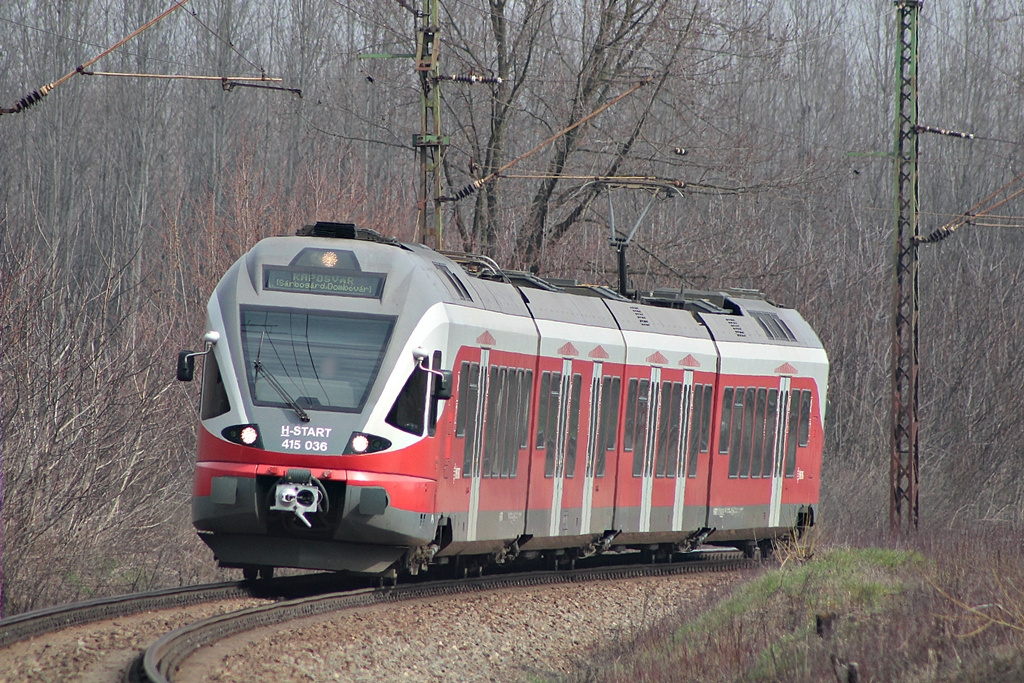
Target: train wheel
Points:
(266, 573)
(766, 547)
(250, 573)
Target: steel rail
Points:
(51, 619)
(163, 658)
(60, 617)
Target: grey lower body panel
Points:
(239, 551)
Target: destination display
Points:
(317, 281)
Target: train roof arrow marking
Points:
(486, 339)
(690, 361)
(657, 358)
(568, 350)
(786, 369)
(599, 352)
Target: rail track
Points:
(290, 598)
(41, 622)
(160, 662)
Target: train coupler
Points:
(599, 546)
(421, 557)
(300, 493)
(695, 540)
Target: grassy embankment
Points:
(948, 608)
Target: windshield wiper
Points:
(281, 391)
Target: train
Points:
(382, 408)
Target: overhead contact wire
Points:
(36, 95)
(974, 212)
(477, 184)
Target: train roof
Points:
(740, 315)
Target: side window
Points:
(495, 426)
(542, 409)
(726, 426)
(551, 422)
(215, 396)
(525, 391)
(461, 409)
(609, 421)
(572, 435)
(795, 410)
(805, 418)
(641, 410)
(771, 421)
(757, 457)
(695, 414)
(408, 410)
(469, 393)
(735, 431)
(668, 429)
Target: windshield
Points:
(322, 361)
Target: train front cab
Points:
(351, 489)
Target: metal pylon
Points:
(905, 460)
(429, 143)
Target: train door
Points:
(475, 407)
(643, 455)
(563, 435)
(781, 436)
(681, 472)
(590, 466)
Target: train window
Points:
(805, 418)
(749, 427)
(705, 427)
(693, 407)
(507, 423)
(460, 411)
(640, 408)
(525, 389)
(214, 400)
(492, 425)
(472, 389)
(794, 424)
(434, 401)
(517, 405)
(501, 391)
(319, 361)
(572, 437)
(551, 420)
(737, 425)
(542, 408)
(771, 422)
(675, 446)
(628, 434)
(725, 429)
(662, 456)
(757, 452)
(609, 421)
(594, 426)
(610, 411)
(407, 412)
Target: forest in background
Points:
(125, 199)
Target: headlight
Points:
(244, 435)
(361, 444)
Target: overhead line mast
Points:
(429, 143)
(904, 464)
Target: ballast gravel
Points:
(523, 635)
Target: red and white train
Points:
(369, 406)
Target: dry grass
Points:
(945, 608)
